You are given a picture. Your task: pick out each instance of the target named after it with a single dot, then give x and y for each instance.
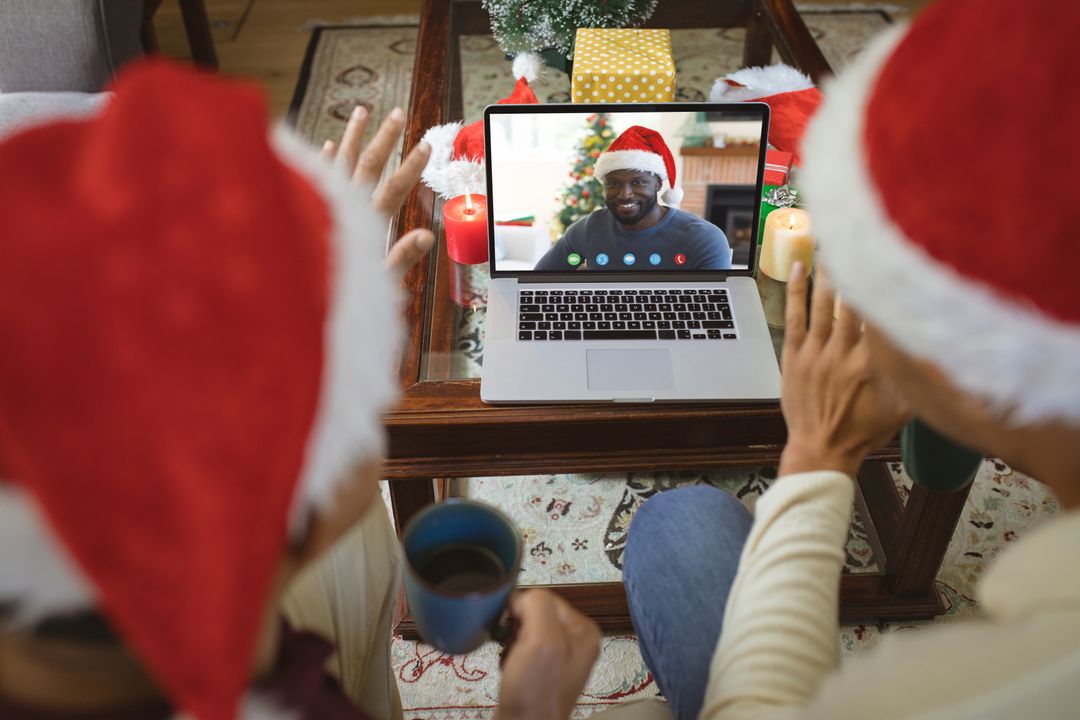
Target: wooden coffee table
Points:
(442, 430)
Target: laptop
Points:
(602, 291)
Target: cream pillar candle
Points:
(787, 239)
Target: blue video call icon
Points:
(602, 259)
(629, 259)
(654, 259)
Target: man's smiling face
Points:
(630, 194)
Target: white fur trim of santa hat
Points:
(641, 160)
(363, 334)
(758, 82)
(449, 177)
(446, 176)
(988, 345)
(358, 384)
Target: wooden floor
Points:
(265, 39)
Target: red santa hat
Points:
(932, 195)
(790, 95)
(198, 341)
(644, 149)
(456, 165)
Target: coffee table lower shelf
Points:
(913, 536)
(862, 597)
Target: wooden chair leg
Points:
(147, 34)
(757, 50)
(197, 27)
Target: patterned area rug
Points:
(574, 528)
(575, 525)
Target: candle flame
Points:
(468, 203)
(791, 221)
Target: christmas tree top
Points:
(520, 25)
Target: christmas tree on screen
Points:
(585, 193)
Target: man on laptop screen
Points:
(634, 229)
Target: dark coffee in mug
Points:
(462, 560)
(462, 569)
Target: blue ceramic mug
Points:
(462, 561)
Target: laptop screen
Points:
(595, 188)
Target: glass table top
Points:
(454, 336)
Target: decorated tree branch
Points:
(537, 25)
(585, 193)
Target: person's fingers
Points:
(848, 326)
(392, 193)
(585, 632)
(373, 159)
(533, 605)
(795, 310)
(328, 150)
(349, 148)
(409, 250)
(539, 628)
(821, 309)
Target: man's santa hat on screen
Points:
(641, 148)
(187, 302)
(790, 95)
(929, 195)
(456, 165)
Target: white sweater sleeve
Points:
(779, 637)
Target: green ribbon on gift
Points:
(772, 198)
(933, 460)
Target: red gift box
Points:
(777, 167)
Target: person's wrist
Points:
(806, 456)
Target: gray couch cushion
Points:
(19, 111)
(66, 45)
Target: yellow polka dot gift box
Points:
(622, 65)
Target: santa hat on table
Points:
(932, 197)
(790, 95)
(456, 165)
(198, 341)
(644, 149)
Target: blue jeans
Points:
(680, 560)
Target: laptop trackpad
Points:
(630, 369)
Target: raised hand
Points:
(365, 166)
(836, 407)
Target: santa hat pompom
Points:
(528, 66)
(673, 197)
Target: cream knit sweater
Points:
(778, 653)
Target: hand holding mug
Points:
(547, 665)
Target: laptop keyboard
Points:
(625, 314)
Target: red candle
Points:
(465, 220)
